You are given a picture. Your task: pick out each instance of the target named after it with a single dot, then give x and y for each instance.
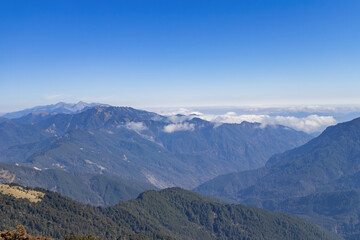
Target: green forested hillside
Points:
(338, 211)
(169, 214)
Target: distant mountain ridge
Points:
(60, 107)
(143, 146)
(318, 181)
(95, 189)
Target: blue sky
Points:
(179, 53)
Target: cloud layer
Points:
(309, 124)
(135, 126)
(179, 127)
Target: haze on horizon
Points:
(149, 54)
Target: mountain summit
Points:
(60, 107)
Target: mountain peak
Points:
(60, 107)
(335, 139)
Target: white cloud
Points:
(135, 126)
(232, 117)
(179, 127)
(310, 123)
(307, 124)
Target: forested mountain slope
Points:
(169, 214)
(324, 169)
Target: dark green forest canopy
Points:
(168, 214)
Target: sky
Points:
(179, 53)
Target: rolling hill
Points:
(169, 214)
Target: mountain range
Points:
(319, 181)
(49, 110)
(143, 146)
(102, 155)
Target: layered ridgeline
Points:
(169, 214)
(319, 181)
(95, 189)
(140, 145)
(35, 113)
